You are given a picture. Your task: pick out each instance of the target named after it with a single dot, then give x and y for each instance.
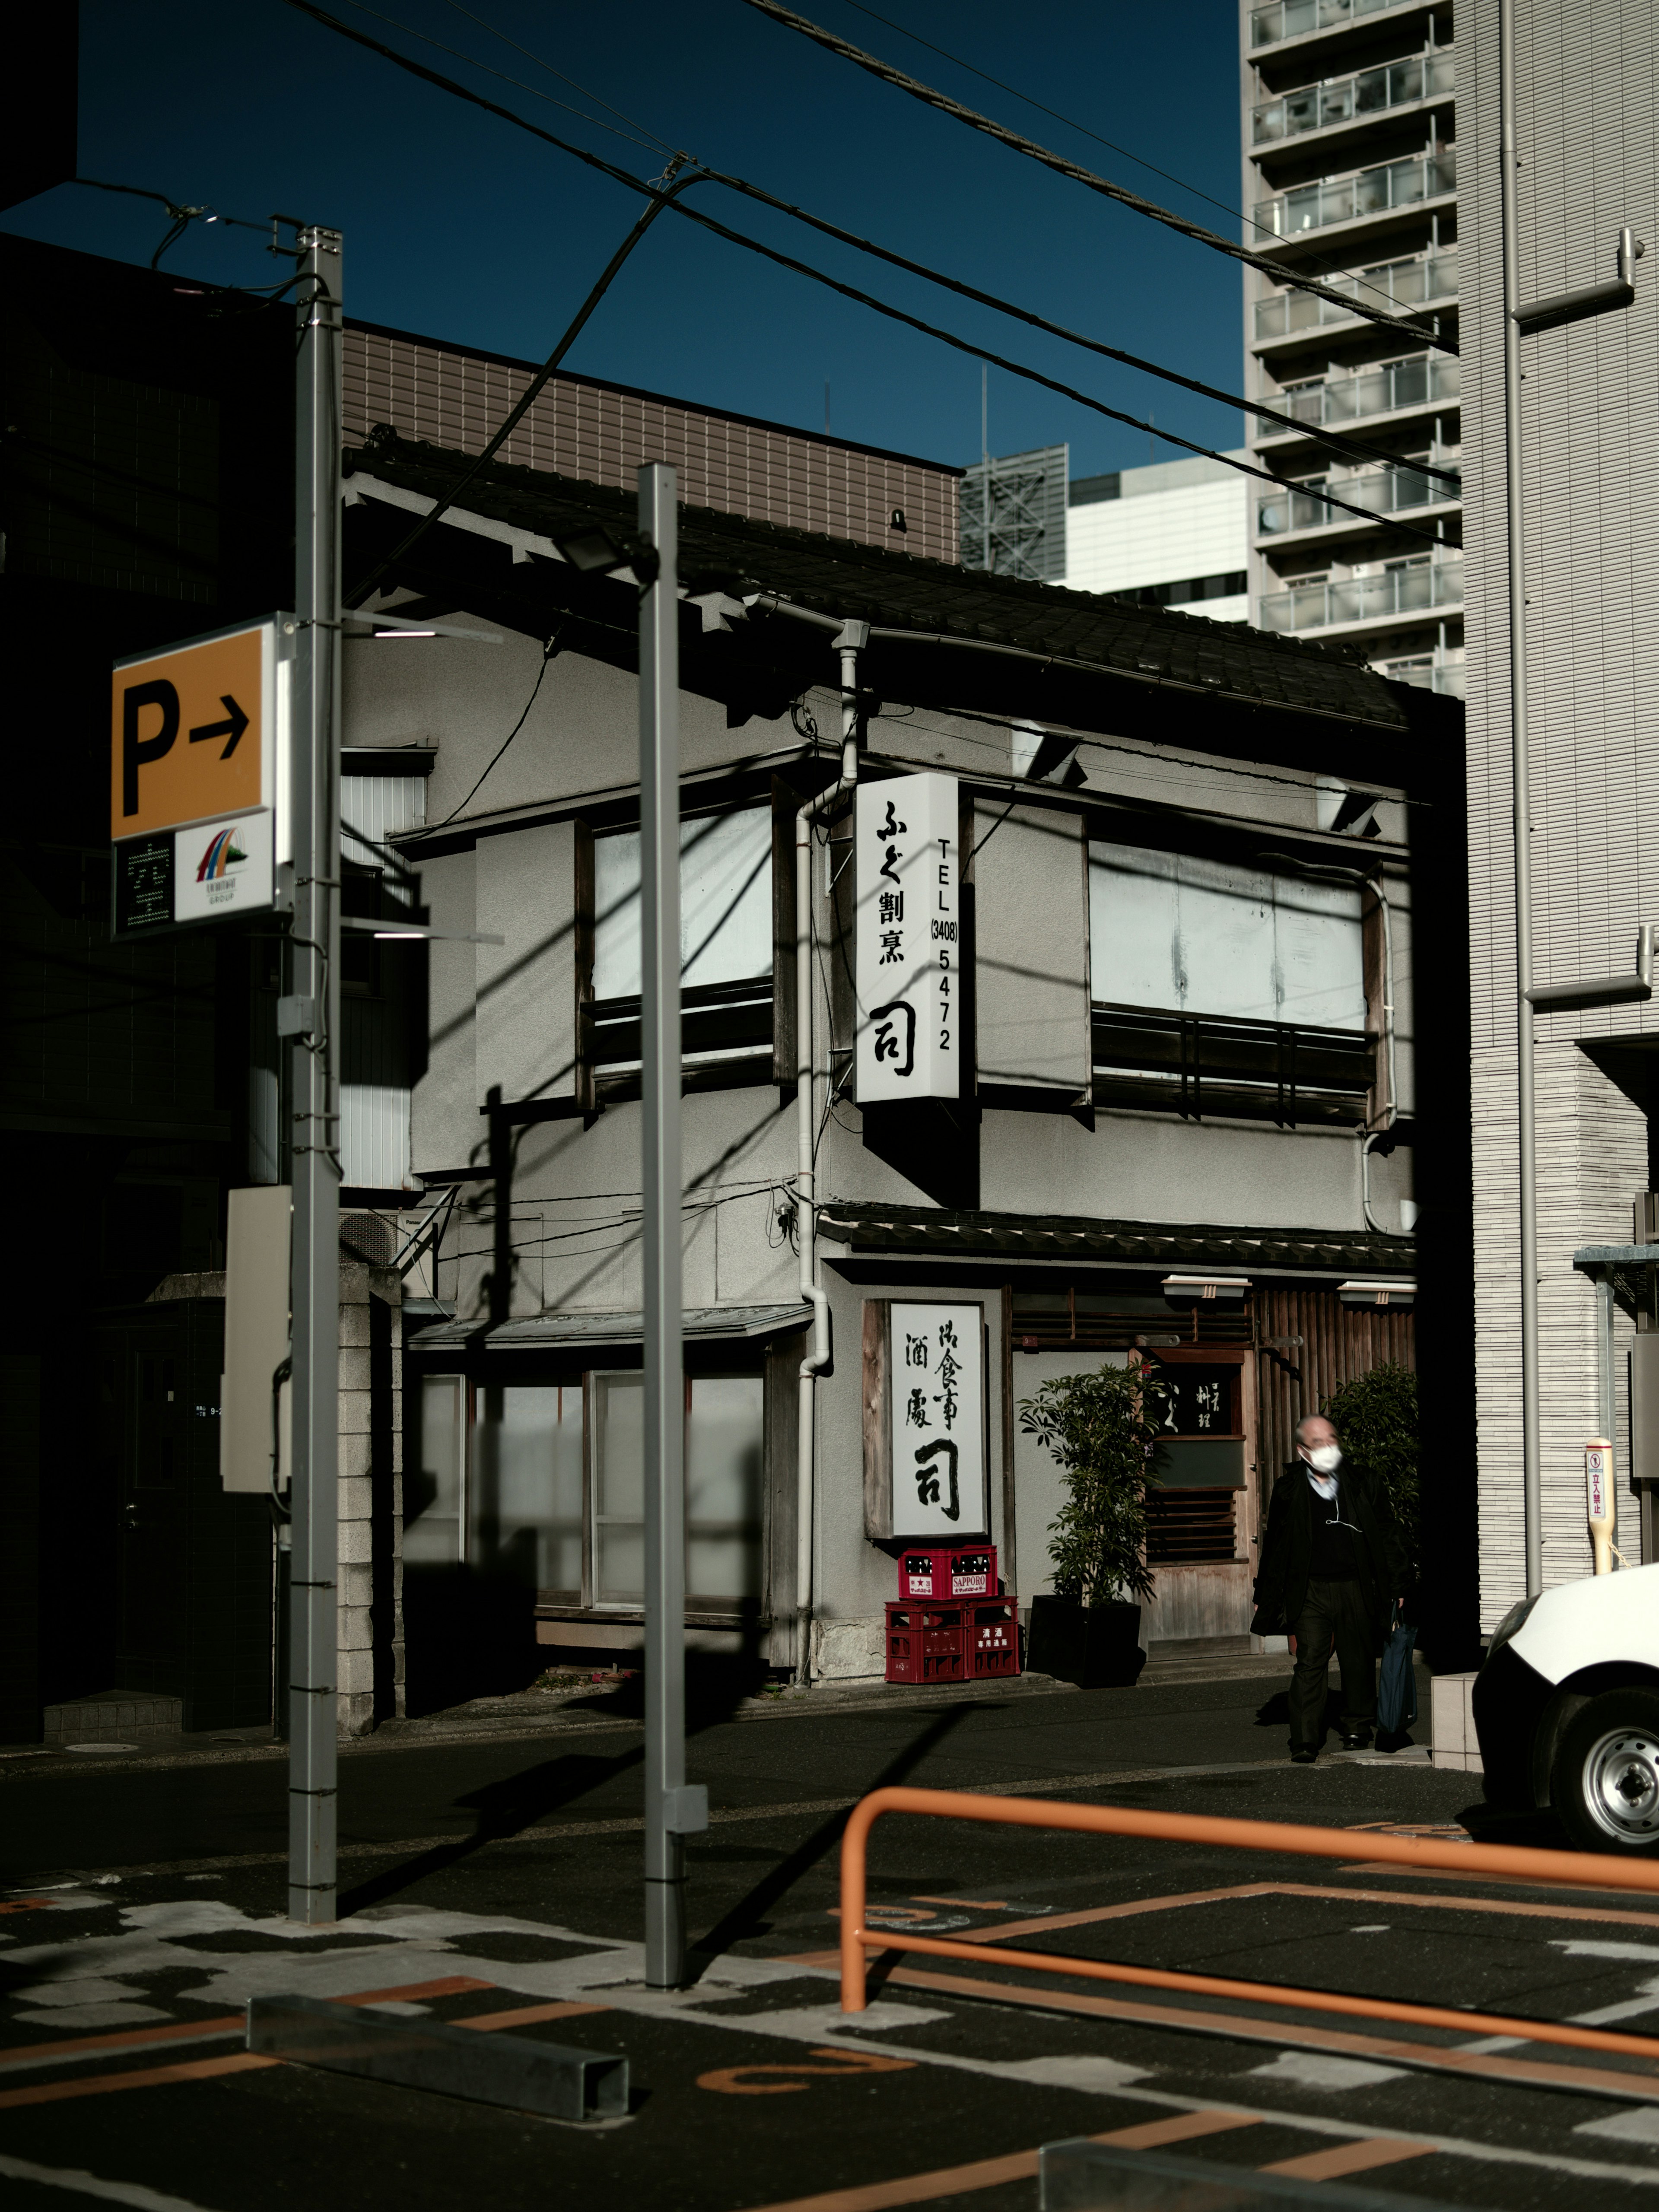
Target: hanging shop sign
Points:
(198, 753)
(909, 941)
(936, 1402)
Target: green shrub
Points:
(1376, 1417)
(1096, 1426)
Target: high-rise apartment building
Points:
(1351, 174)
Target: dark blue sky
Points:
(460, 226)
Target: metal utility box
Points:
(1644, 1407)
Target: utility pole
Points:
(672, 1810)
(311, 1020)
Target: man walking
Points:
(1332, 1573)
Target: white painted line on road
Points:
(92, 2185)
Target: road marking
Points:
(735, 2081)
(183, 2031)
(148, 2077)
(1018, 2166)
(1349, 2158)
(233, 2023)
(528, 2015)
(92, 2185)
(1248, 2027)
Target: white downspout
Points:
(850, 639)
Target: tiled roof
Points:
(1056, 1239)
(1078, 632)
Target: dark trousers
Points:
(1334, 1612)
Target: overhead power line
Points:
(1325, 264)
(1354, 448)
(975, 351)
(1079, 175)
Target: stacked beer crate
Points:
(953, 1621)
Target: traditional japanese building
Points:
(1172, 1102)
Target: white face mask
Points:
(1325, 1458)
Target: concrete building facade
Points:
(1173, 534)
(1349, 175)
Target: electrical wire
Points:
(455, 54)
(848, 291)
(1326, 264)
(632, 122)
(1077, 173)
(548, 652)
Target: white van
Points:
(1567, 1709)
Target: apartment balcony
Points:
(1384, 491)
(1424, 381)
(1354, 99)
(1294, 19)
(1357, 599)
(1390, 185)
(1398, 286)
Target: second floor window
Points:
(725, 942)
(1208, 937)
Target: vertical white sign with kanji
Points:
(909, 939)
(937, 1391)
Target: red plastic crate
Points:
(953, 1571)
(924, 1643)
(991, 1638)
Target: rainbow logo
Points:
(221, 856)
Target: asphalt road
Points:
(503, 1875)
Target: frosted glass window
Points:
(432, 1501)
(1204, 937)
(725, 903)
(619, 1489)
(724, 1445)
(525, 1498)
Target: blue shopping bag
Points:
(1396, 1691)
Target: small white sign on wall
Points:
(909, 940)
(936, 1391)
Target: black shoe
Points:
(1300, 1756)
(1357, 1743)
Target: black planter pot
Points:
(1096, 1646)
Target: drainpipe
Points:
(850, 639)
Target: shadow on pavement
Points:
(744, 1919)
(505, 1809)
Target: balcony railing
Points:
(1293, 19)
(1345, 98)
(1345, 199)
(1289, 1073)
(1364, 599)
(1397, 284)
(1416, 382)
(1385, 491)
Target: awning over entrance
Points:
(595, 1332)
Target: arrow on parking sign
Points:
(231, 729)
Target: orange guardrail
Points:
(1507, 1862)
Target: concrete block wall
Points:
(371, 1634)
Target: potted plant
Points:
(1099, 1428)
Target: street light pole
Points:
(312, 1023)
(672, 1810)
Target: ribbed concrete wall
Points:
(1589, 131)
(603, 434)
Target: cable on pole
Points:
(1079, 175)
(800, 269)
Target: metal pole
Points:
(669, 1808)
(315, 1292)
(1526, 1085)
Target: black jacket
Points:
(1282, 1584)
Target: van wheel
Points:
(1604, 1781)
